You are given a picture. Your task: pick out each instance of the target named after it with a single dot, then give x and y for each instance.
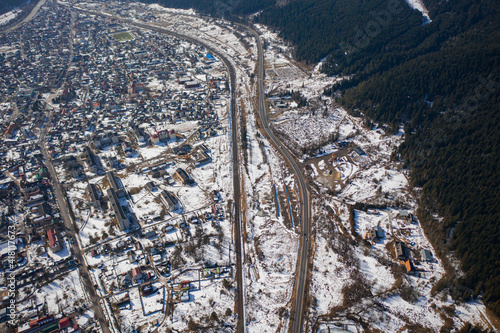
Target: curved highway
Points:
(240, 308)
(302, 259)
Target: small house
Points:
(137, 274)
(400, 251)
(375, 234)
(169, 228)
(147, 289)
(132, 257)
(125, 281)
(64, 322)
(53, 239)
(184, 296)
(426, 255)
(409, 266)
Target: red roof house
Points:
(53, 240)
(10, 130)
(137, 274)
(64, 322)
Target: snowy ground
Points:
(64, 294)
(92, 222)
(420, 6)
(364, 283)
(271, 246)
(304, 131)
(366, 279)
(213, 297)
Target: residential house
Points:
(181, 175)
(115, 184)
(53, 239)
(120, 216)
(9, 132)
(409, 266)
(169, 200)
(400, 251)
(426, 255)
(137, 274)
(64, 322)
(125, 281)
(375, 234)
(93, 196)
(131, 256)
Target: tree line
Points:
(440, 80)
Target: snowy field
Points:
(420, 6)
(65, 293)
(9, 16)
(350, 279)
(306, 131)
(271, 247)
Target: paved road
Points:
(240, 306)
(67, 213)
(302, 260)
(69, 222)
(63, 201)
